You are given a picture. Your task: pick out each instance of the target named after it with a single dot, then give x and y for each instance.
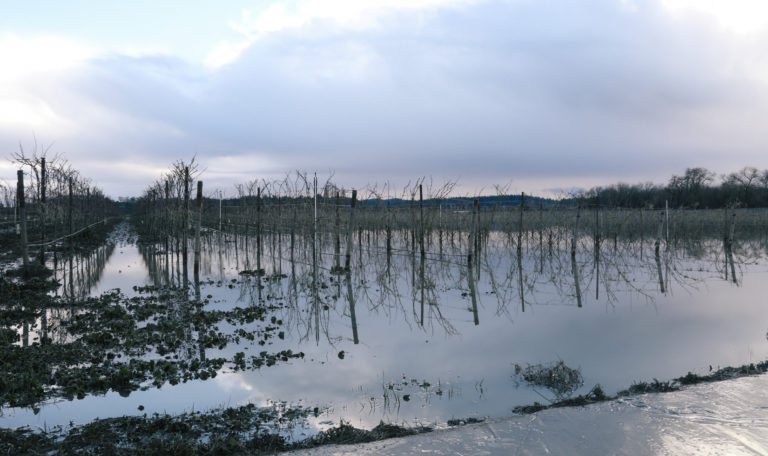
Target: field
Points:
(289, 316)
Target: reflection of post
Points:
(44, 325)
(658, 268)
(575, 271)
(421, 285)
(25, 334)
(520, 277)
(351, 298)
(421, 249)
(71, 278)
(197, 285)
(185, 267)
(733, 266)
(472, 293)
(574, 266)
(729, 262)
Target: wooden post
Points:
(597, 247)
(575, 232)
(349, 229)
(23, 216)
(337, 238)
(660, 231)
(42, 210)
(71, 202)
(185, 229)
(472, 231)
(316, 300)
(520, 277)
(733, 226)
(642, 233)
(258, 229)
(199, 223)
(389, 228)
(421, 221)
(167, 217)
(541, 238)
(520, 223)
(413, 223)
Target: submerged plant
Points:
(558, 378)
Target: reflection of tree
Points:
(555, 265)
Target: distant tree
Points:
(742, 186)
(686, 190)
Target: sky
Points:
(540, 96)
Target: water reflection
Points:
(535, 271)
(405, 318)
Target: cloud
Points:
(737, 16)
(334, 14)
(546, 93)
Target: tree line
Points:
(696, 188)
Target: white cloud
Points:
(226, 52)
(738, 16)
(337, 14)
(49, 55)
(31, 67)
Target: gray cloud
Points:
(490, 92)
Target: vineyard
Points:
(409, 307)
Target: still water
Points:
(422, 339)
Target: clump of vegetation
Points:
(346, 434)
(458, 422)
(598, 395)
(724, 373)
(252, 272)
(653, 387)
(235, 430)
(112, 342)
(558, 378)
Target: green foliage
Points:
(121, 344)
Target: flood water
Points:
(421, 339)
